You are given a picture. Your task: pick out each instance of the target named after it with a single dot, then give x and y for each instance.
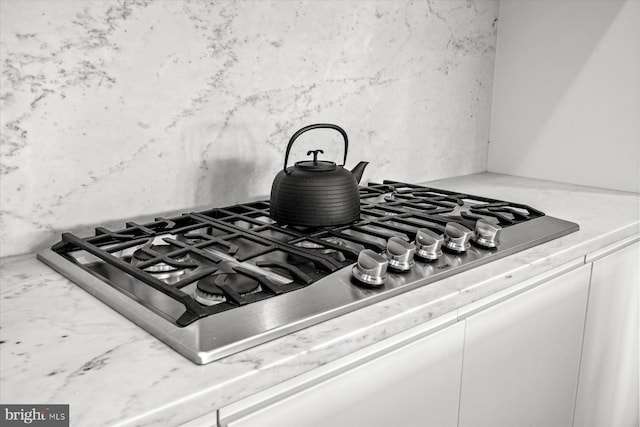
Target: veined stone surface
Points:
(124, 110)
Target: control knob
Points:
(371, 268)
(429, 244)
(400, 254)
(457, 237)
(487, 234)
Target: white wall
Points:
(566, 99)
(124, 110)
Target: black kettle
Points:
(316, 193)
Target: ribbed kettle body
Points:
(315, 199)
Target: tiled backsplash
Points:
(120, 110)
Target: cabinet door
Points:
(608, 386)
(521, 357)
(415, 385)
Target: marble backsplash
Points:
(119, 110)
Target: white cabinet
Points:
(522, 356)
(608, 386)
(415, 385)
(562, 353)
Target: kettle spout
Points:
(358, 170)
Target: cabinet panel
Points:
(608, 386)
(521, 357)
(418, 384)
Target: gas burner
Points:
(209, 290)
(336, 241)
(325, 250)
(207, 293)
(168, 264)
(391, 197)
(303, 229)
(308, 244)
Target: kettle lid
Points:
(316, 166)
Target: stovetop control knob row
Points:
(371, 267)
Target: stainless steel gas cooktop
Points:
(212, 283)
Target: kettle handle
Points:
(317, 126)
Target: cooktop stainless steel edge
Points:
(214, 337)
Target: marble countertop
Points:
(58, 344)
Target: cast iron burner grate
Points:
(242, 240)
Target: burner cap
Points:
(207, 288)
(325, 250)
(140, 255)
(208, 293)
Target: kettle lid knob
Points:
(315, 164)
